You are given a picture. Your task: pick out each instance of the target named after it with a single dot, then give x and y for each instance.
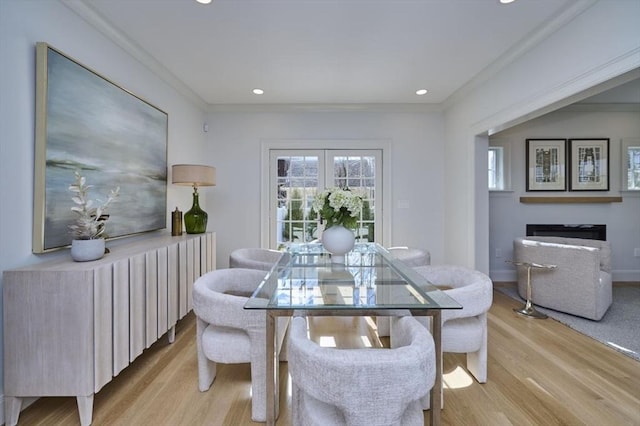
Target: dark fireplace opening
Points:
(591, 232)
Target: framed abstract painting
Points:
(87, 123)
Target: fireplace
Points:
(592, 232)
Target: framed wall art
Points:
(86, 123)
(630, 165)
(589, 164)
(546, 165)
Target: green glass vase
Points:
(195, 220)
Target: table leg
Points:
(436, 392)
(271, 379)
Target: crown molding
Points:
(329, 108)
(618, 71)
(527, 43)
(603, 107)
(85, 11)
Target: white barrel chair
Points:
(410, 255)
(361, 387)
(229, 334)
(255, 258)
(464, 330)
(413, 257)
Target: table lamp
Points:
(195, 220)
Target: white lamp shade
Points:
(193, 175)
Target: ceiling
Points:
(328, 51)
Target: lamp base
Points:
(195, 220)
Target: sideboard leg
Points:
(12, 405)
(172, 334)
(85, 408)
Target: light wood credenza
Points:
(70, 327)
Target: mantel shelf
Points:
(569, 200)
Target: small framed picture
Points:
(589, 164)
(546, 165)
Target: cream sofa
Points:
(579, 285)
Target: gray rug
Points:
(619, 328)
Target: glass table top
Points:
(370, 278)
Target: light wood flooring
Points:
(540, 373)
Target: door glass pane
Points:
(358, 173)
(297, 183)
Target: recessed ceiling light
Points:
(421, 92)
(506, 1)
(204, 1)
(257, 91)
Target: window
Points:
(496, 181)
(631, 166)
(499, 165)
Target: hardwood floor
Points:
(540, 373)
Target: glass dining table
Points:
(370, 282)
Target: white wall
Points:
(416, 174)
(508, 216)
(599, 44)
(22, 24)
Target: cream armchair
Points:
(464, 330)
(361, 387)
(581, 282)
(229, 334)
(413, 257)
(410, 255)
(255, 258)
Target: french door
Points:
(296, 176)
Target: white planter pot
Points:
(338, 241)
(86, 250)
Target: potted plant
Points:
(341, 209)
(88, 229)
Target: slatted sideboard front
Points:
(70, 327)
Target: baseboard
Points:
(509, 275)
(625, 275)
(513, 284)
(504, 275)
(504, 284)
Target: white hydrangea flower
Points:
(338, 206)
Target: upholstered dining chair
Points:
(413, 257)
(361, 387)
(410, 255)
(255, 258)
(227, 333)
(463, 330)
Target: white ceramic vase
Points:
(86, 250)
(338, 241)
